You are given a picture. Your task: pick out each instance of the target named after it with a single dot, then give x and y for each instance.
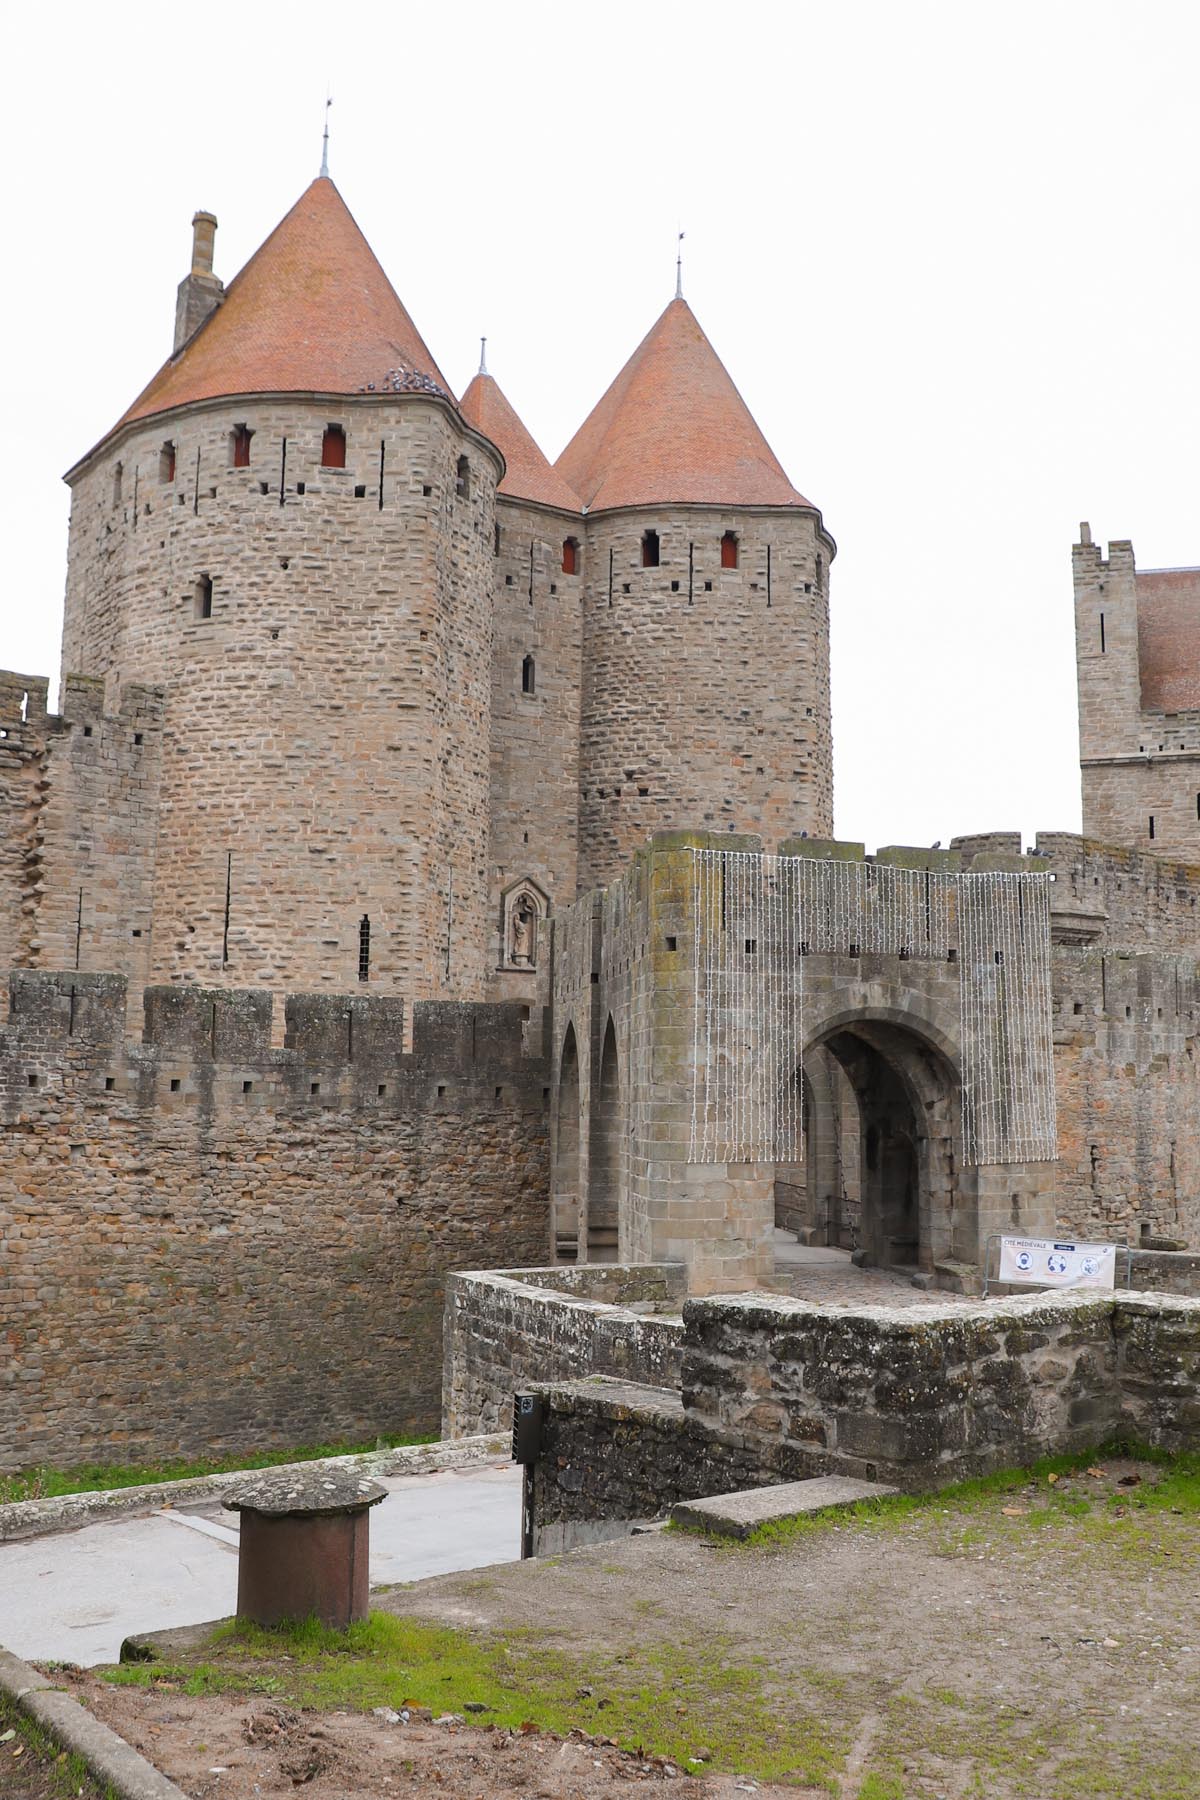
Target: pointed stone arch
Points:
(606, 1153)
(567, 1134)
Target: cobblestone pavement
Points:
(830, 1278)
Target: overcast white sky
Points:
(948, 252)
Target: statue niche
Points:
(525, 906)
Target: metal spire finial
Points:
(483, 368)
(325, 139)
(679, 268)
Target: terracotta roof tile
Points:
(672, 427)
(312, 311)
(529, 476)
(1168, 602)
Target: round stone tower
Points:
(705, 617)
(290, 531)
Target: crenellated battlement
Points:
(69, 1029)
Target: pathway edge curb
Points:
(108, 1757)
(67, 1512)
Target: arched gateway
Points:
(863, 1045)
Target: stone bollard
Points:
(303, 1547)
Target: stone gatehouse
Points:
(894, 1064)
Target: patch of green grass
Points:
(85, 1478)
(667, 1699)
(1177, 1489)
(67, 1773)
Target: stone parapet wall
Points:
(210, 1245)
(616, 1456)
(775, 1390)
(508, 1328)
(931, 1395)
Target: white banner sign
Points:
(1042, 1262)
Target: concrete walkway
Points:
(73, 1596)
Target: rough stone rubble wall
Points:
(503, 1330)
(210, 1245)
(774, 1390)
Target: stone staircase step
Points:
(737, 1515)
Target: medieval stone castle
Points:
(339, 957)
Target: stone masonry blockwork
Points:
(212, 1246)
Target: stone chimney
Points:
(200, 293)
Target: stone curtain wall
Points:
(78, 827)
(329, 724)
(506, 1329)
(208, 1245)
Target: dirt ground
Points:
(31, 1768)
(1039, 1643)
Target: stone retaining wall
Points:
(522, 1325)
(776, 1390)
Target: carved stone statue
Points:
(523, 937)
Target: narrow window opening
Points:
(300, 487)
(110, 1082)
(674, 587)
(820, 572)
(462, 484)
(33, 1080)
(202, 597)
(360, 493)
(1152, 827)
(496, 539)
(528, 676)
(441, 1093)
(672, 943)
(333, 447)
(247, 1087)
(137, 737)
(118, 483)
(708, 587)
(314, 1087)
(729, 550)
(364, 948)
(1102, 645)
(166, 462)
(1129, 1012)
(650, 550)
(751, 946)
(239, 447)
(264, 487)
(570, 556)
(176, 1084)
(381, 1090)
(1078, 1007)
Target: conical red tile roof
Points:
(673, 428)
(528, 476)
(312, 311)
